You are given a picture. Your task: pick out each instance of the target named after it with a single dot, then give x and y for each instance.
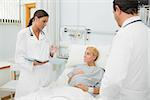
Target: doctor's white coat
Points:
(126, 75)
(28, 46)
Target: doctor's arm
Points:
(20, 53)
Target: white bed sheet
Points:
(59, 90)
(58, 93)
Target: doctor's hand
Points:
(53, 50)
(82, 86)
(35, 63)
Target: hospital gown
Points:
(92, 76)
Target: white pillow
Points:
(76, 55)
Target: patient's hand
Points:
(85, 88)
(82, 86)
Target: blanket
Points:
(58, 93)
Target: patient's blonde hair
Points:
(94, 51)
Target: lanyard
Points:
(132, 23)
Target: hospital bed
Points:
(59, 86)
(76, 53)
(7, 81)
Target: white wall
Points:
(149, 56)
(94, 14)
(69, 12)
(8, 34)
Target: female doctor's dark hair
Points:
(127, 6)
(39, 13)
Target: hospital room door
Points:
(30, 9)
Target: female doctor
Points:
(32, 55)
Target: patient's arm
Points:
(69, 79)
(75, 72)
(83, 87)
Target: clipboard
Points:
(32, 60)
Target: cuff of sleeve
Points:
(90, 89)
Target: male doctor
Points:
(126, 75)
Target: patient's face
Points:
(89, 57)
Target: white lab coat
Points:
(28, 46)
(126, 75)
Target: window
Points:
(10, 11)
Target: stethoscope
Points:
(129, 24)
(132, 23)
(31, 34)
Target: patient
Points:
(87, 76)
